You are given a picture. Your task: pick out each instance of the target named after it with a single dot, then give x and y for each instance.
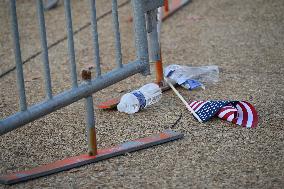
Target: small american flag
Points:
(238, 112)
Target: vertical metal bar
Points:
(90, 117)
(91, 130)
(18, 56)
(159, 25)
(71, 50)
(117, 34)
(95, 37)
(159, 63)
(45, 59)
(154, 45)
(140, 34)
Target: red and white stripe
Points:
(228, 113)
(243, 114)
(247, 115)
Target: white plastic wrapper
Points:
(192, 77)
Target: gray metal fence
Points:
(142, 26)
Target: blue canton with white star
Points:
(210, 108)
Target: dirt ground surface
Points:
(244, 38)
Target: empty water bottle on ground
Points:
(147, 95)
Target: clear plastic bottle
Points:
(192, 77)
(147, 95)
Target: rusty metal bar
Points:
(90, 116)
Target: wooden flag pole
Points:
(183, 100)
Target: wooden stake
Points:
(183, 100)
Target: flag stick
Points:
(159, 26)
(183, 100)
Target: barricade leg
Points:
(90, 117)
(159, 72)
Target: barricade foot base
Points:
(77, 161)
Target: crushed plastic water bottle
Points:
(192, 77)
(147, 95)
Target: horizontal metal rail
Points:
(68, 97)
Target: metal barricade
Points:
(86, 89)
(145, 26)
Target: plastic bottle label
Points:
(191, 84)
(141, 99)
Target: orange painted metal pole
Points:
(166, 4)
(159, 63)
(159, 72)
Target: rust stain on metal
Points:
(86, 74)
(93, 142)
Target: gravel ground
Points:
(244, 38)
